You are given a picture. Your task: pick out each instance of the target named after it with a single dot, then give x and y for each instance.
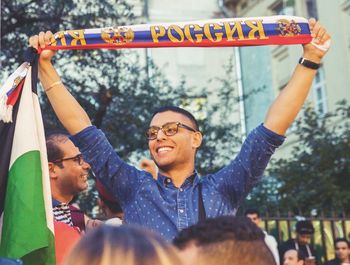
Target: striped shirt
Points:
(61, 212)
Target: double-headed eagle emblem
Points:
(288, 28)
(118, 35)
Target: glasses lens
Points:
(79, 159)
(170, 128)
(152, 132)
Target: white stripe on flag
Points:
(30, 126)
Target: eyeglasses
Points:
(169, 129)
(78, 158)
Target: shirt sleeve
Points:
(238, 178)
(120, 178)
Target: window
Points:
(311, 8)
(277, 8)
(283, 7)
(319, 92)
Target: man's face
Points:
(176, 151)
(342, 251)
(254, 218)
(72, 177)
(291, 258)
(303, 239)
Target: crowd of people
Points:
(223, 240)
(171, 202)
(232, 240)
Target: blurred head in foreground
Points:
(124, 245)
(224, 240)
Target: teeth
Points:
(164, 149)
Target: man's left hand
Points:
(320, 43)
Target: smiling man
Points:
(173, 152)
(68, 177)
(179, 198)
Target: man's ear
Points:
(197, 139)
(52, 170)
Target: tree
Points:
(23, 18)
(317, 174)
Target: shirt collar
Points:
(193, 179)
(55, 202)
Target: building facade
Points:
(200, 68)
(261, 72)
(268, 69)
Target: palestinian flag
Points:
(25, 196)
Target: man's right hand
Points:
(39, 42)
(68, 110)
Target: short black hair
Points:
(219, 229)
(252, 211)
(341, 239)
(177, 110)
(305, 227)
(227, 239)
(54, 152)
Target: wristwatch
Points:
(309, 64)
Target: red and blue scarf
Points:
(229, 32)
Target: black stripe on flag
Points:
(7, 131)
(31, 56)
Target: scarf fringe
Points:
(11, 84)
(5, 110)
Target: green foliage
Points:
(317, 174)
(23, 18)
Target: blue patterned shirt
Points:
(159, 205)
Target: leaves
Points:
(317, 174)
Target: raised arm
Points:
(290, 100)
(68, 110)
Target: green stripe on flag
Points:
(25, 232)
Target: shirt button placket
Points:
(181, 206)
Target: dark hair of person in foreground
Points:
(226, 240)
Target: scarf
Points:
(278, 30)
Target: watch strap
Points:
(309, 64)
